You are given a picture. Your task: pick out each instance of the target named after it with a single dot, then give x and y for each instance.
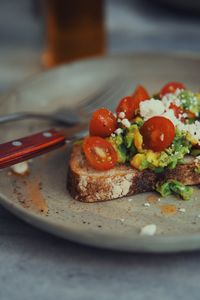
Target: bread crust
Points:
(88, 185)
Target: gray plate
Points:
(41, 198)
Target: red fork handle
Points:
(30, 146)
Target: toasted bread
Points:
(88, 185)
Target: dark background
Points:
(131, 25)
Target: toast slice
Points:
(88, 185)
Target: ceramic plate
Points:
(41, 198)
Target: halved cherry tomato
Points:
(102, 123)
(158, 133)
(99, 153)
(130, 104)
(171, 87)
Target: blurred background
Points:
(36, 34)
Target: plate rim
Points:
(171, 53)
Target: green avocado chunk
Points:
(176, 152)
(190, 101)
(174, 187)
(117, 143)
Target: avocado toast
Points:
(150, 144)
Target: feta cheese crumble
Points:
(126, 123)
(171, 98)
(118, 131)
(151, 108)
(169, 114)
(148, 230)
(21, 168)
(121, 115)
(182, 210)
(192, 129)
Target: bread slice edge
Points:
(88, 185)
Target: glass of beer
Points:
(75, 29)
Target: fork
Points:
(114, 89)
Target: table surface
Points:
(36, 265)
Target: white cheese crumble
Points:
(147, 204)
(118, 131)
(126, 123)
(21, 168)
(193, 129)
(170, 98)
(169, 114)
(182, 210)
(178, 91)
(148, 229)
(151, 108)
(121, 115)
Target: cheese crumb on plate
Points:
(148, 230)
(21, 168)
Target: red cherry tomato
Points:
(171, 87)
(102, 123)
(130, 104)
(140, 94)
(178, 111)
(99, 153)
(126, 106)
(158, 133)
